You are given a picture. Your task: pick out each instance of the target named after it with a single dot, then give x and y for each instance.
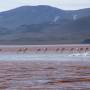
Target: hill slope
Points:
(44, 25)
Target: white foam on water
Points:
(41, 56)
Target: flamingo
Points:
(57, 49)
(25, 49)
(62, 49)
(81, 49)
(86, 49)
(72, 50)
(0, 50)
(20, 50)
(45, 49)
(38, 50)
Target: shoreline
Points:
(45, 52)
(60, 47)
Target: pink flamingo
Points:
(81, 49)
(19, 50)
(25, 49)
(57, 49)
(62, 49)
(0, 50)
(86, 49)
(38, 50)
(72, 50)
(45, 49)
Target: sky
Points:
(62, 4)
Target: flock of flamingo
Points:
(24, 50)
(44, 49)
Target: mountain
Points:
(29, 15)
(44, 25)
(78, 25)
(38, 15)
(86, 41)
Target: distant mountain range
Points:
(44, 25)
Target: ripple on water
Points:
(44, 75)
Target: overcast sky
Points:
(62, 4)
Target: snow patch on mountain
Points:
(56, 18)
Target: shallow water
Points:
(45, 75)
(49, 56)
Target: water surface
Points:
(45, 75)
